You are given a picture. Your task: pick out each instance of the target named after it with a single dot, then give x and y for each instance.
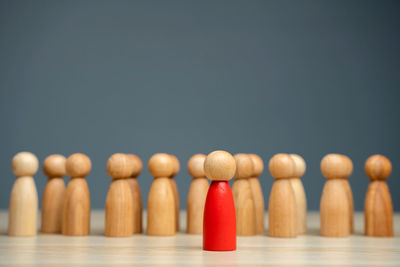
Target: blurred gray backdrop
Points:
(186, 77)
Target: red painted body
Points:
(219, 227)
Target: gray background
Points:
(183, 77)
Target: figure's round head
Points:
(219, 166)
(336, 166)
(244, 166)
(25, 164)
(161, 165)
(119, 166)
(137, 165)
(78, 165)
(176, 165)
(54, 166)
(258, 164)
(281, 166)
(195, 166)
(300, 165)
(378, 167)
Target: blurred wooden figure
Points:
(137, 195)
(119, 202)
(335, 207)
(53, 194)
(76, 209)
(282, 208)
(301, 201)
(161, 204)
(219, 227)
(23, 209)
(259, 208)
(176, 166)
(378, 210)
(197, 194)
(243, 197)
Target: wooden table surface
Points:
(183, 249)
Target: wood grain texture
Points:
(54, 167)
(183, 249)
(282, 210)
(174, 188)
(76, 210)
(137, 205)
(335, 209)
(119, 210)
(161, 208)
(195, 205)
(378, 210)
(244, 207)
(52, 205)
(349, 194)
(23, 208)
(259, 206)
(301, 205)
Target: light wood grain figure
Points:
(282, 208)
(76, 208)
(197, 194)
(53, 194)
(136, 193)
(119, 202)
(23, 209)
(243, 196)
(161, 203)
(176, 166)
(301, 200)
(259, 206)
(335, 207)
(378, 210)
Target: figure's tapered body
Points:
(161, 215)
(23, 207)
(53, 194)
(136, 193)
(76, 208)
(301, 200)
(282, 207)
(378, 207)
(119, 210)
(137, 205)
(197, 194)
(336, 201)
(259, 206)
(243, 196)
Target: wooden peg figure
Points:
(258, 167)
(197, 194)
(53, 194)
(219, 227)
(282, 208)
(301, 201)
(161, 203)
(23, 209)
(76, 210)
(137, 195)
(335, 207)
(378, 209)
(176, 166)
(119, 203)
(243, 197)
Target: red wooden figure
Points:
(219, 228)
